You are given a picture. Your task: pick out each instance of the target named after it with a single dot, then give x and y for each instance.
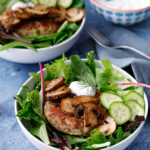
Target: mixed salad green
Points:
(127, 100)
(65, 31)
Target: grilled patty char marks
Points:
(54, 84)
(64, 123)
(42, 27)
(58, 93)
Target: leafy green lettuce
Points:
(98, 138)
(59, 68)
(31, 109)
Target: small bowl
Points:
(41, 146)
(121, 17)
(22, 55)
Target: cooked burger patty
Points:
(64, 123)
(42, 27)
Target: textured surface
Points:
(13, 75)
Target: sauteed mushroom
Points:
(21, 13)
(54, 84)
(38, 10)
(108, 127)
(68, 104)
(58, 93)
(57, 13)
(8, 20)
(75, 14)
(89, 112)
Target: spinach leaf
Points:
(90, 62)
(81, 71)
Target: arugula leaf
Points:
(40, 131)
(90, 62)
(59, 68)
(82, 71)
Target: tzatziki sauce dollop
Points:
(22, 5)
(125, 4)
(80, 88)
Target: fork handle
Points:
(135, 50)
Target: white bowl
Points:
(21, 55)
(41, 146)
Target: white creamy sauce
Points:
(80, 88)
(125, 4)
(22, 5)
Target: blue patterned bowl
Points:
(122, 17)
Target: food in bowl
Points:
(79, 105)
(40, 24)
(125, 4)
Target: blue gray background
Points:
(13, 75)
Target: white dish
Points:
(41, 146)
(27, 56)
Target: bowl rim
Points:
(109, 148)
(54, 46)
(119, 10)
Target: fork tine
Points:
(94, 32)
(96, 38)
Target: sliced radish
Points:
(42, 85)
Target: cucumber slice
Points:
(123, 93)
(63, 26)
(107, 98)
(120, 112)
(135, 96)
(140, 90)
(65, 3)
(51, 3)
(136, 109)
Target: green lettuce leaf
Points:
(90, 62)
(59, 68)
(81, 71)
(40, 131)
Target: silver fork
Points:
(106, 43)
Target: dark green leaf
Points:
(90, 62)
(82, 71)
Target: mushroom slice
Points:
(58, 93)
(54, 84)
(38, 10)
(21, 13)
(68, 104)
(57, 13)
(8, 20)
(75, 14)
(89, 112)
(108, 127)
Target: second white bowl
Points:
(27, 56)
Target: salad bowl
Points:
(49, 29)
(40, 145)
(20, 55)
